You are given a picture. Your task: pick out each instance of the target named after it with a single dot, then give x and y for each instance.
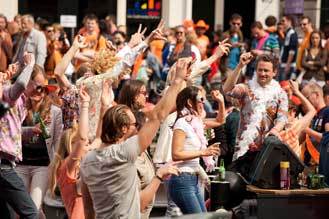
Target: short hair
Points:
(290, 18)
(89, 17)
(114, 120)
(325, 90)
(257, 24)
(119, 32)
(313, 87)
(270, 21)
(29, 17)
(306, 17)
(236, 16)
(268, 58)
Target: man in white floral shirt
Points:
(264, 108)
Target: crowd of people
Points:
(97, 124)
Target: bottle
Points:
(44, 132)
(221, 171)
(284, 175)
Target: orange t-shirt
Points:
(156, 47)
(68, 186)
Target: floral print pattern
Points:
(262, 108)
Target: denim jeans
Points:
(185, 192)
(14, 194)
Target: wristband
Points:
(158, 177)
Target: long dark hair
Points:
(129, 92)
(188, 93)
(320, 35)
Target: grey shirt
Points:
(111, 177)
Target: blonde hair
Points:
(313, 87)
(63, 150)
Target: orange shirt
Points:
(156, 47)
(301, 49)
(6, 50)
(53, 58)
(68, 186)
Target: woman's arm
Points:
(80, 148)
(221, 115)
(79, 42)
(178, 152)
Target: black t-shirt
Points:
(319, 121)
(35, 152)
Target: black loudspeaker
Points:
(265, 170)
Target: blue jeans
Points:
(184, 191)
(14, 194)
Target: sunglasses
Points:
(200, 99)
(179, 32)
(40, 89)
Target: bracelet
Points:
(158, 177)
(85, 105)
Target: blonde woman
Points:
(73, 146)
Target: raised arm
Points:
(222, 49)
(17, 89)
(233, 77)
(79, 42)
(81, 147)
(305, 121)
(221, 115)
(164, 106)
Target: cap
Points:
(202, 24)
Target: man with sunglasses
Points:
(307, 28)
(235, 36)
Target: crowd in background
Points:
(84, 113)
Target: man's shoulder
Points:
(37, 34)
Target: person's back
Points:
(111, 176)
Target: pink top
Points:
(11, 127)
(68, 186)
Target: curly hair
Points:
(114, 120)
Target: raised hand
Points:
(181, 71)
(157, 34)
(12, 70)
(110, 45)
(245, 58)
(294, 86)
(137, 37)
(223, 48)
(84, 96)
(80, 42)
(217, 96)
